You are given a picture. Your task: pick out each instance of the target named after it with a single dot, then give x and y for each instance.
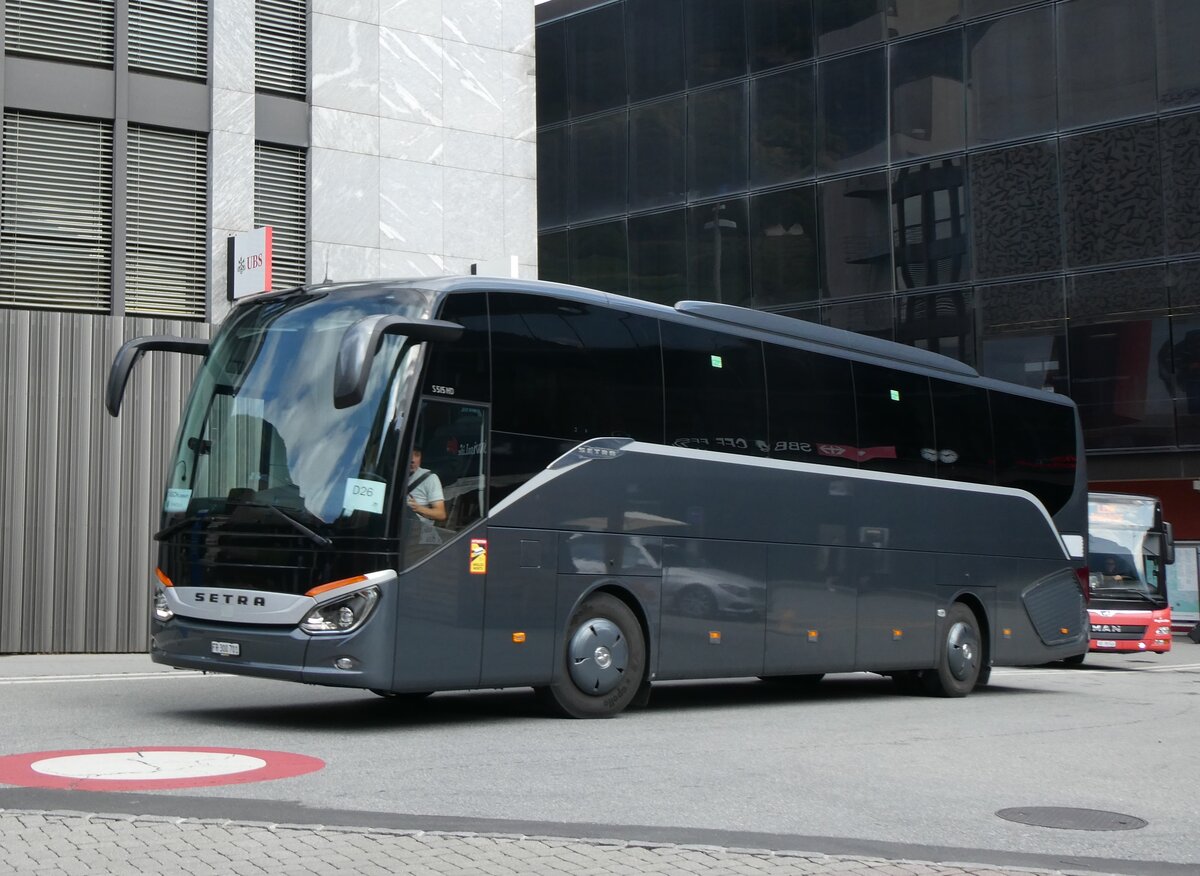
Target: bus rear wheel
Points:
(604, 661)
(960, 656)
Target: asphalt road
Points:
(851, 768)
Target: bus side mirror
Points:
(1168, 556)
(361, 343)
(131, 351)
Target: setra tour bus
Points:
(463, 482)
(1129, 549)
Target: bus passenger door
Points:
(440, 609)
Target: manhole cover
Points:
(1071, 819)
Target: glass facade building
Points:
(1015, 184)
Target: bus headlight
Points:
(162, 611)
(342, 615)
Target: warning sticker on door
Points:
(479, 556)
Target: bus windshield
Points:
(1123, 549)
(261, 429)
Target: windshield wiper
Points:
(167, 531)
(1107, 592)
(300, 527)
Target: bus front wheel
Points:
(604, 660)
(960, 656)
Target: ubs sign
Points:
(249, 263)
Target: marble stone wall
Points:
(423, 137)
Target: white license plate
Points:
(227, 649)
(1100, 643)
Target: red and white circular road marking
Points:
(150, 769)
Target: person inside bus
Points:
(1111, 574)
(426, 501)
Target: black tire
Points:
(1075, 660)
(960, 656)
(603, 663)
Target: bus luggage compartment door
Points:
(519, 607)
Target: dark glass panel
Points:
(895, 421)
(599, 256)
(553, 173)
(599, 167)
(1035, 447)
(811, 407)
(780, 32)
(658, 257)
(1119, 330)
(783, 247)
(574, 371)
(719, 252)
(596, 60)
(463, 365)
(1181, 364)
(656, 154)
(910, 16)
(930, 223)
(855, 235)
(1106, 63)
(874, 317)
(1015, 210)
(1010, 77)
(941, 322)
(852, 112)
(1181, 182)
(1112, 195)
(550, 44)
(812, 313)
(717, 142)
(715, 40)
(1024, 333)
(975, 8)
(782, 121)
(515, 459)
(552, 257)
(964, 443)
(715, 392)
(1178, 60)
(847, 24)
(928, 114)
(654, 33)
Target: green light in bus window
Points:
(716, 361)
(895, 395)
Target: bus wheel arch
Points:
(603, 662)
(961, 654)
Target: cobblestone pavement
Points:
(74, 843)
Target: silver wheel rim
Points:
(597, 656)
(962, 650)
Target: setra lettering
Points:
(231, 599)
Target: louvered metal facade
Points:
(280, 175)
(169, 36)
(56, 213)
(166, 243)
(76, 30)
(81, 489)
(281, 46)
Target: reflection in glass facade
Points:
(1014, 183)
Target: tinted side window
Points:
(574, 371)
(964, 443)
(715, 392)
(460, 369)
(895, 421)
(811, 406)
(1035, 447)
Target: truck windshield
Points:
(261, 429)
(1123, 549)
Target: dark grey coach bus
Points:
(632, 493)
